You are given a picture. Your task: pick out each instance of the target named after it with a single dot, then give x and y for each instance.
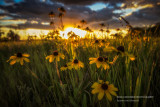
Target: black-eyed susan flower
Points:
(64, 68)
(56, 55)
(104, 88)
(76, 64)
(105, 43)
(19, 57)
(105, 64)
(100, 61)
(96, 41)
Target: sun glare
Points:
(77, 31)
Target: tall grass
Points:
(37, 83)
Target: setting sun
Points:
(79, 32)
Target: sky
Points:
(33, 14)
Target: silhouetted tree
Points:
(1, 33)
(13, 36)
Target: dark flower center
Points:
(65, 65)
(96, 41)
(76, 61)
(104, 86)
(55, 53)
(120, 48)
(103, 41)
(100, 59)
(19, 55)
(105, 59)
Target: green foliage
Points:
(18, 87)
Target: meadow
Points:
(40, 83)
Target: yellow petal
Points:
(100, 95)
(62, 56)
(25, 55)
(92, 58)
(98, 64)
(108, 96)
(96, 84)
(111, 87)
(94, 91)
(26, 59)
(12, 62)
(81, 64)
(48, 57)
(21, 61)
(51, 59)
(69, 67)
(58, 58)
(13, 57)
(105, 66)
(76, 67)
(112, 92)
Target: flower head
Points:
(76, 64)
(55, 55)
(64, 68)
(19, 57)
(104, 88)
(100, 61)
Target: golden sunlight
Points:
(77, 31)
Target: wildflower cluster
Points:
(100, 87)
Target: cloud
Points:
(36, 11)
(145, 16)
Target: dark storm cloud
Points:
(86, 2)
(145, 16)
(76, 11)
(31, 9)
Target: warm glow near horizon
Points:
(77, 31)
(64, 34)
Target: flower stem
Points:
(58, 73)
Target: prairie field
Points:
(39, 82)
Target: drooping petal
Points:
(81, 64)
(21, 61)
(26, 59)
(62, 56)
(112, 92)
(109, 97)
(105, 66)
(13, 62)
(100, 95)
(91, 62)
(76, 66)
(48, 57)
(12, 57)
(98, 65)
(51, 59)
(58, 58)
